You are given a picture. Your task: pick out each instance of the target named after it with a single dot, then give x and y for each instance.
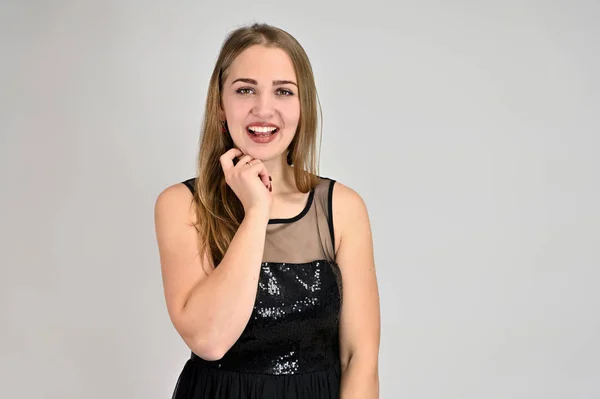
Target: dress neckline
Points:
(299, 216)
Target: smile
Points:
(262, 131)
(262, 134)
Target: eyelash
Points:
(288, 92)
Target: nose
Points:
(263, 106)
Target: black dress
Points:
(290, 347)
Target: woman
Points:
(267, 267)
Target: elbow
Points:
(368, 365)
(211, 354)
(205, 343)
(207, 349)
(204, 340)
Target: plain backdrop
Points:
(471, 130)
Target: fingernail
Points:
(270, 178)
(270, 188)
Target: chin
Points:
(263, 152)
(265, 155)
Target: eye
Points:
(243, 90)
(284, 92)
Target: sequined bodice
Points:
(294, 323)
(293, 328)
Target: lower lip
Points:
(262, 139)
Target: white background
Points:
(471, 129)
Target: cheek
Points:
(236, 110)
(292, 111)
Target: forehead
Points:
(263, 64)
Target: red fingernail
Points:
(270, 178)
(270, 188)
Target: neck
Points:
(282, 175)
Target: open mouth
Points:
(262, 131)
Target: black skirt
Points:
(200, 381)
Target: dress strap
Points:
(191, 184)
(324, 209)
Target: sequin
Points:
(283, 365)
(294, 323)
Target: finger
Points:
(237, 158)
(243, 161)
(260, 168)
(227, 158)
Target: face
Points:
(260, 102)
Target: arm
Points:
(360, 315)
(209, 311)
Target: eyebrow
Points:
(254, 82)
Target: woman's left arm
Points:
(360, 314)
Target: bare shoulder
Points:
(175, 223)
(174, 200)
(349, 209)
(346, 197)
(347, 204)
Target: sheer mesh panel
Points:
(305, 238)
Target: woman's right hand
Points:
(250, 183)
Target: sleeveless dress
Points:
(290, 347)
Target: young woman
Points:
(267, 267)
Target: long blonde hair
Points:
(219, 211)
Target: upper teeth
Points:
(262, 129)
